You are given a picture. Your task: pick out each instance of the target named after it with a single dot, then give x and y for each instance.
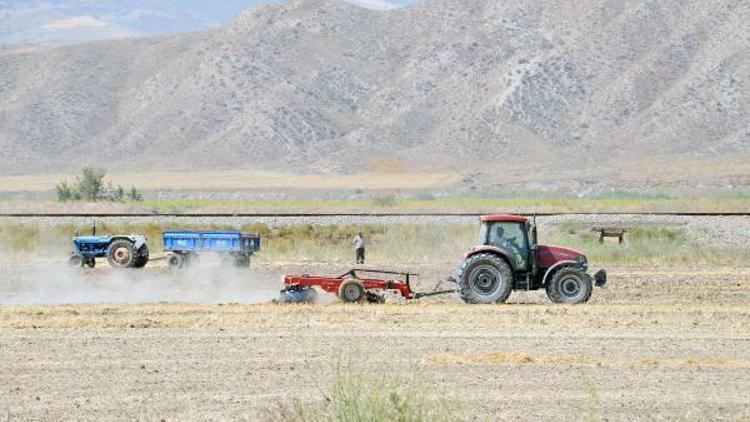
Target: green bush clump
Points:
(90, 186)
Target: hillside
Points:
(67, 21)
(599, 91)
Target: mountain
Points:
(69, 21)
(625, 92)
(40, 21)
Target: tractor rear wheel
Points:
(351, 290)
(484, 278)
(121, 254)
(570, 285)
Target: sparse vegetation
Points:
(413, 243)
(455, 204)
(385, 201)
(66, 192)
(359, 398)
(90, 186)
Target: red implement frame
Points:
(332, 284)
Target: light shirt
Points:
(359, 242)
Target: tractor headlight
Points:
(582, 262)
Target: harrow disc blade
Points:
(303, 295)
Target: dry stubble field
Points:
(658, 343)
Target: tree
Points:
(90, 182)
(65, 192)
(90, 187)
(134, 195)
(118, 194)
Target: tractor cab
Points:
(510, 233)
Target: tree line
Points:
(90, 186)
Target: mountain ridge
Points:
(579, 90)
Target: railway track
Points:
(366, 215)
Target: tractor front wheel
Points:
(75, 260)
(570, 285)
(484, 278)
(121, 254)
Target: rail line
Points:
(365, 215)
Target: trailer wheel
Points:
(241, 261)
(484, 278)
(175, 261)
(121, 254)
(351, 290)
(570, 285)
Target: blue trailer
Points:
(236, 247)
(122, 251)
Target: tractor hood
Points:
(549, 255)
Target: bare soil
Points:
(658, 343)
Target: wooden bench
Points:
(618, 232)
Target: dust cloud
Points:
(55, 282)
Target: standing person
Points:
(359, 248)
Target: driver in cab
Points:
(510, 244)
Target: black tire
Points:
(75, 260)
(551, 290)
(176, 261)
(241, 261)
(373, 297)
(121, 254)
(142, 258)
(484, 278)
(91, 262)
(570, 285)
(351, 290)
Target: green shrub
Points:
(66, 192)
(91, 183)
(134, 195)
(356, 398)
(385, 201)
(90, 187)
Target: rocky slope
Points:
(528, 90)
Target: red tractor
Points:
(509, 258)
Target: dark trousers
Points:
(360, 252)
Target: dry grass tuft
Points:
(354, 397)
(518, 358)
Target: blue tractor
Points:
(234, 246)
(121, 251)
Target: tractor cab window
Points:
(510, 237)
